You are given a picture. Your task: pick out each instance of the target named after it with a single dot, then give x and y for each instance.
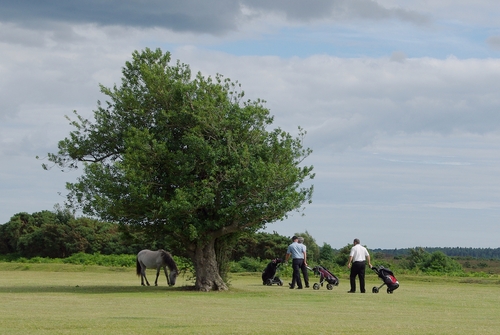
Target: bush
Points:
(235, 267)
(252, 264)
(102, 260)
(435, 263)
(185, 265)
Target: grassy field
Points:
(71, 299)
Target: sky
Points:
(400, 101)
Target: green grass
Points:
(74, 299)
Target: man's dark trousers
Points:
(303, 268)
(358, 269)
(296, 266)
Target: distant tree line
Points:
(479, 253)
(59, 234)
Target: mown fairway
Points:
(70, 299)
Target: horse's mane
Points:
(167, 258)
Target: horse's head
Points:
(172, 277)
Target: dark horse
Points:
(147, 259)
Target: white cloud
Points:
(483, 12)
(467, 205)
(494, 42)
(213, 17)
(337, 99)
(405, 147)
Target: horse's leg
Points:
(143, 275)
(157, 274)
(166, 275)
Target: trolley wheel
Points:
(374, 290)
(389, 291)
(269, 282)
(280, 283)
(316, 286)
(329, 286)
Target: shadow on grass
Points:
(93, 289)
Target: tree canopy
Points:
(185, 157)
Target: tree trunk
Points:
(207, 271)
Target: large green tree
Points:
(185, 157)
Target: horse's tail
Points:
(138, 267)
